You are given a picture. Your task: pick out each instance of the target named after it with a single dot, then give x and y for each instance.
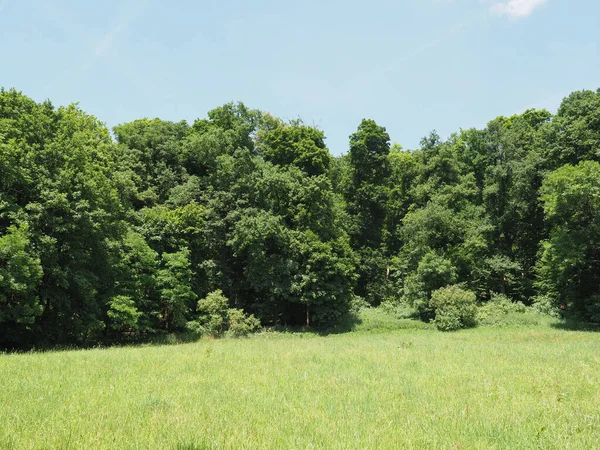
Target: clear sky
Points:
(412, 65)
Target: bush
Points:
(398, 309)
(357, 304)
(425, 310)
(216, 318)
(239, 324)
(454, 308)
(122, 313)
(502, 311)
(213, 313)
(433, 272)
(501, 304)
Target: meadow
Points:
(390, 385)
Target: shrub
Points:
(216, 318)
(454, 308)
(357, 304)
(123, 314)
(239, 324)
(398, 309)
(195, 327)
(433, 272)
(502, 311)
(425, 310)
(213, 313)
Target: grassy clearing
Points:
(535, 387)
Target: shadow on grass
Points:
(373, 320)
(193, 446)
(137, 340)
(344, 324)
(368, 320)
(573, 324)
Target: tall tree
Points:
(367, 199)
(569, 267)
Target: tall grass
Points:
(499, 388)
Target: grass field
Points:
(517, 388)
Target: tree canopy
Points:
(106, 235)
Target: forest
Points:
(241, 220)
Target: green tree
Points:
(176, 295)
(122, 314)
(569, 265)
(295, 144)
(367, 199)
(20, 275)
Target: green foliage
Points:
(295, 144)
(574, 133)
(569, 265)
(240, 324)
(369, 150)
(546, 305)
(20, 274)
(216, 318)
(433, 272)
(400, 310)
(367, 197)
(454, 308)
(213, 312)
(176, 294)
(100, 235)
(500, 310)
(122, 314)
(357, 304)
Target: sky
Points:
(411, 65)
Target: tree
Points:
(176, 295)
(295, 144)
(20, 275)
(569, 265)
(367, 200)
(574, 133)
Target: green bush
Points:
(454, 308)
(215, 318)
(500, 310)
(398, 309)
(501, 304)
(122, 313)
(239, 324)
(433, 272)
(213, 312)
(357, 304)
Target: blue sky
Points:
(413, 66)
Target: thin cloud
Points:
(431, 44)
(105, 45)
(104, 48)
(515, 9)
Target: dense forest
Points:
(241, 219)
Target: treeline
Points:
(104, 237)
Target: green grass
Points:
(518, 388)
